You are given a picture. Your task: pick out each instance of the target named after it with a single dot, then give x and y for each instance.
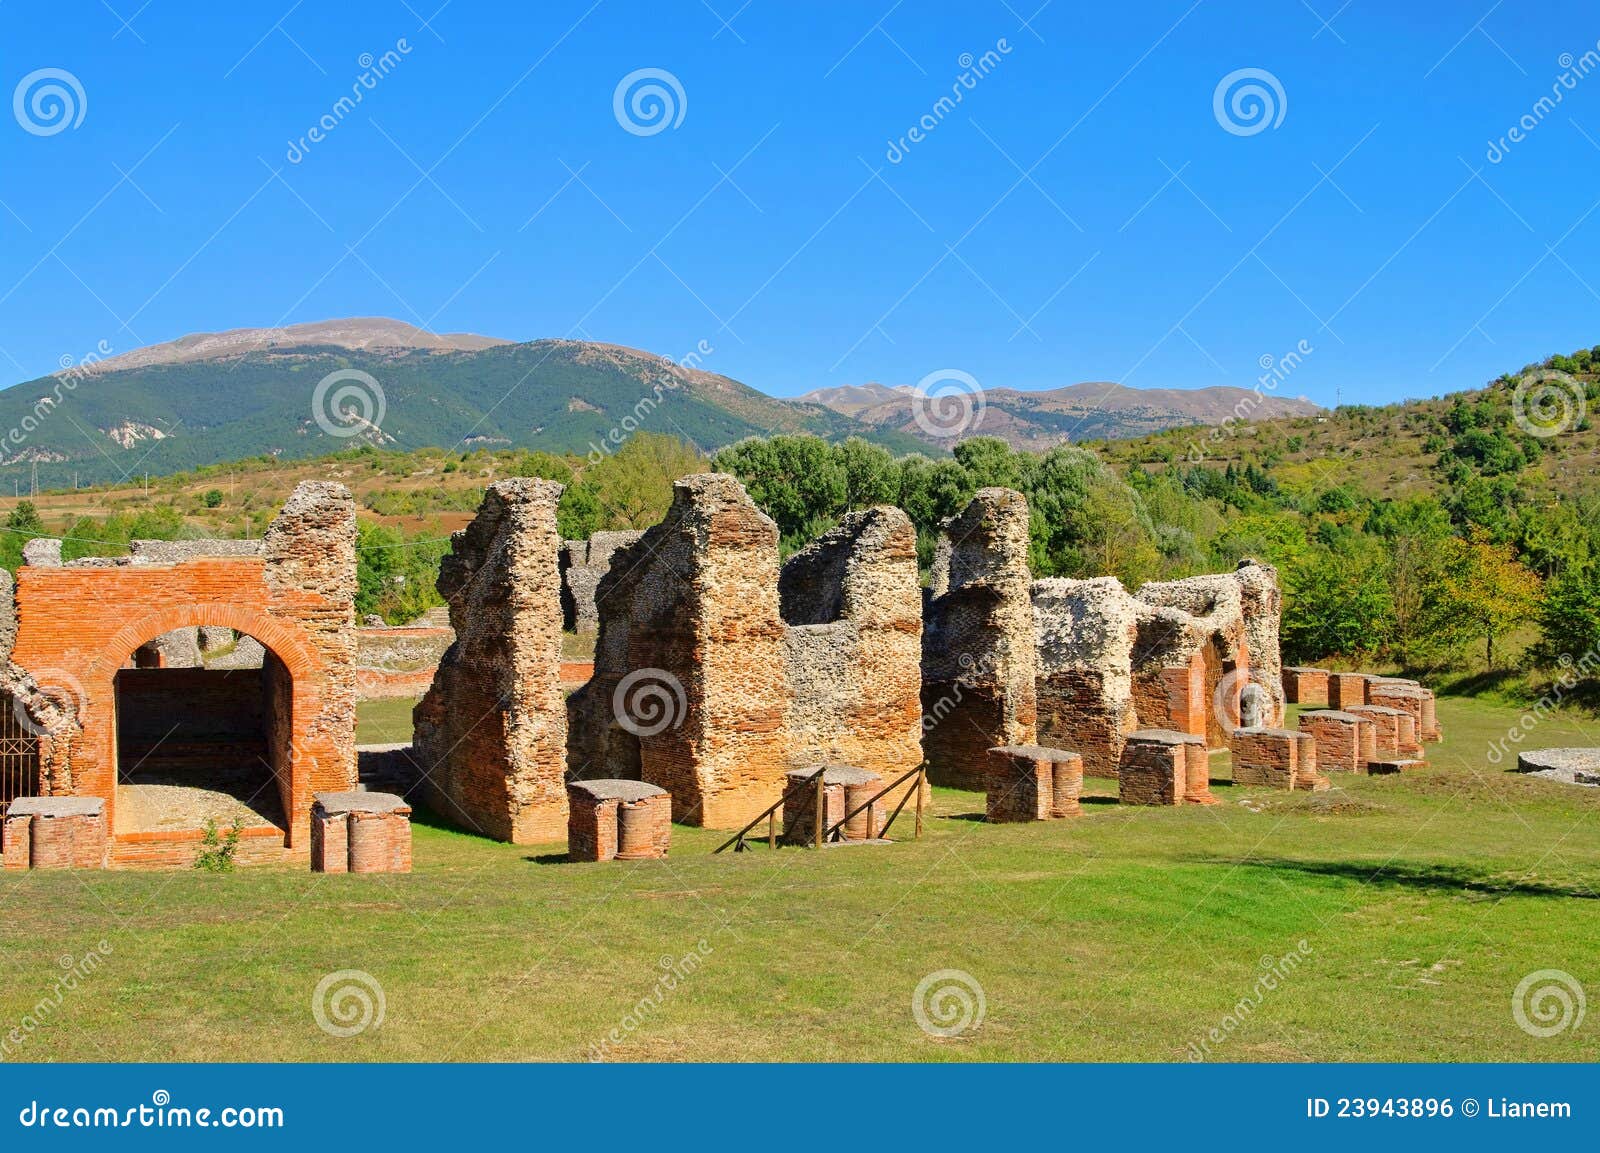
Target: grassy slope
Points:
(1126, 934)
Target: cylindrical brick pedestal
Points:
(636, 834)
(863, 825)
(1066, 786)
(617, 820)
(359, 832)
(800, 800)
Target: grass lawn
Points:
(1128, 934)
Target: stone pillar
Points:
(358, 832)
(1346, 689)
(491, 734)
(1276, 759)
(617, 820)
(56, 833)
(1340, 739)
(979, 658)
(1306, 687)
(1386, 733)
(1156, 767)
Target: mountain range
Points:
(214, 397)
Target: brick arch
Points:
(285, 644)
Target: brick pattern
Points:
(360, 833)
(1347, 689)
(1345, 741)
(296, 598)
(1276, 759)
(1412, 699)
(1077, 708)
(56, 833)
(1386, 728)
(617, 820)
(979, 652)
(845, 787)
(1032, 783)
(1164, 767)
(1306, 687)
(491, 734)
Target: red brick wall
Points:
(86, 623)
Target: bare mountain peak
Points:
(358, 333)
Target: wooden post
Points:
(922, 776)
(772, 828)
(822, 797)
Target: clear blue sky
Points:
(1080, 215)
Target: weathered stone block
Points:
(492, 731)
(1033, 783)
(1276, 758)
(1347, 689)
(979, 651)
(1307, 687)
(1161, 766)
(56, 833)
(617, 820)
(358, 832)
(1345, 741)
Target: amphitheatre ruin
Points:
(214, 683)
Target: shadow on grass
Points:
(550, 859)
(1429, 878)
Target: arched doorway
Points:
(204, 741)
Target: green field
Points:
(1128, 934)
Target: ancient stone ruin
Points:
(716, 671)
(583, 563)
(491, 733)
(1176, 656)
(979, 653)
(162, 748)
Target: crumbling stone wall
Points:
(690, 689)
(1175, 656)
(583, 563)
(852, 646)
(492, 730)
(77, 624)
(978, 647)
(716, 672)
